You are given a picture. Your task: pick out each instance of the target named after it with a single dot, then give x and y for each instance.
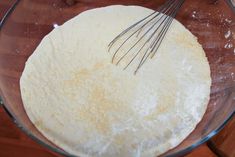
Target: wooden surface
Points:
(14, 143)
(224, 142)
(207, 19)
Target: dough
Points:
(89, 107)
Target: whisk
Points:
(143, 38)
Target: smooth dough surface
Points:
(89, 107)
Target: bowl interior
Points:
(213, 22)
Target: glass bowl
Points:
(213, 22)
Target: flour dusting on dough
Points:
(92, 108)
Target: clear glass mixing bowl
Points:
(213, 22)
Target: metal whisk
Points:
(142, 39)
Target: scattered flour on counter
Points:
(194, 14)
(227, 34)
(228, 45)
(227, 20)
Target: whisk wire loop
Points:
(147, 33)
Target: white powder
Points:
(228, 45)
(227, 34)
(90, 107)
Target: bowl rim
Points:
(60, 150)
